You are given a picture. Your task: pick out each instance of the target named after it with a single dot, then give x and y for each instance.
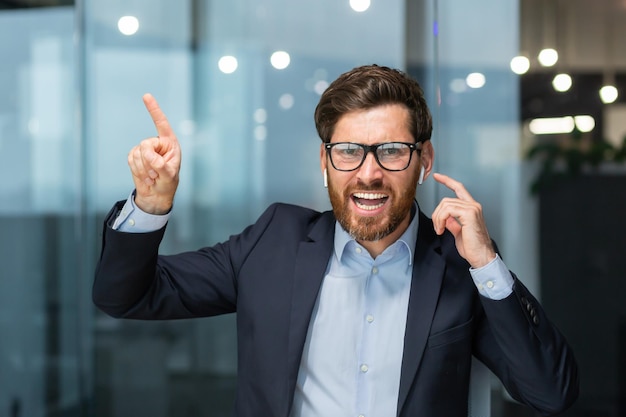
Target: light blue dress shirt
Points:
(353, 351)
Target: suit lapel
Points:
(310, 266)
(428, 269)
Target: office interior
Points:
(532, 139)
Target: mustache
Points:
(372, 186)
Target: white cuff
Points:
(134, 220)
(493, 280)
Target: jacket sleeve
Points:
(527, 352)
(133, 281)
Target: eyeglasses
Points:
(392, 156)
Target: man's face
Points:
(370, 202)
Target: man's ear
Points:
(427, 158)
(323, 165)
(323, 158)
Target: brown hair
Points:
(369, 86)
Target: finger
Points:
(455, 186)
(454, 210)
(137, 167)
(158, 165)
(151, 158)
(158, 117)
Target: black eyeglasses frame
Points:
(372, 148)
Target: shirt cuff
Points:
(134, 220)
(493, 280)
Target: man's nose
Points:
(370, 170)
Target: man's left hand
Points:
(463, 217)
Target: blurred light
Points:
(286, 101)
(128, 25)
(260, 132)
(360, 5)
(33, 126)
(584, 123)
(520, 65)
(280, 60)
(320, 86)
(320, 74)
(227, 64)
(475, 80)
(548, 57)
(458, 85)
(552, 125)
(187, 127)
(608, 94)
(562, 82)
(260, 115)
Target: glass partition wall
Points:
(44, 314)
(239, 81)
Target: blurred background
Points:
(528, 103)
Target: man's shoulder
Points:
(296, 218)
(289, 211)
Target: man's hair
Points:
(369, 86)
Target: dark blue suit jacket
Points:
(270, 275)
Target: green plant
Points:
(568, 158)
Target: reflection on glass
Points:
(128, 25)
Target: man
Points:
(372, 309)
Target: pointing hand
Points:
(463, 217)
(155, 164)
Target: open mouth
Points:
(369, 201)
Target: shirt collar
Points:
(408, 238)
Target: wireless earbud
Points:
(420, 180)
(325, 178)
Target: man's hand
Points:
(155, 164)
(463, 217)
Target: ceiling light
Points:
(360, 5)
(552, 125)
(584, 123)
(608, 94)
(280, 60)
(548, 57)
(520, 65)
(562, 82)
(128, 25)
(475, 80)
(227, 64)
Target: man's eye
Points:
(390, 151)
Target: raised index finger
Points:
(454, 185)
(158, 117)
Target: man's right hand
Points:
(155, 164)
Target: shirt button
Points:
(490, 284)
(358, 250)
(361, 415)
(374, 270)
(131, 222)
(370, 318)
(364, 368)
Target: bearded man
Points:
(372, 309)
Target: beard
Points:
(372, 228)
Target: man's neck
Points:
(376, 247)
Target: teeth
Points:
(369, 196)
(368, 207)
